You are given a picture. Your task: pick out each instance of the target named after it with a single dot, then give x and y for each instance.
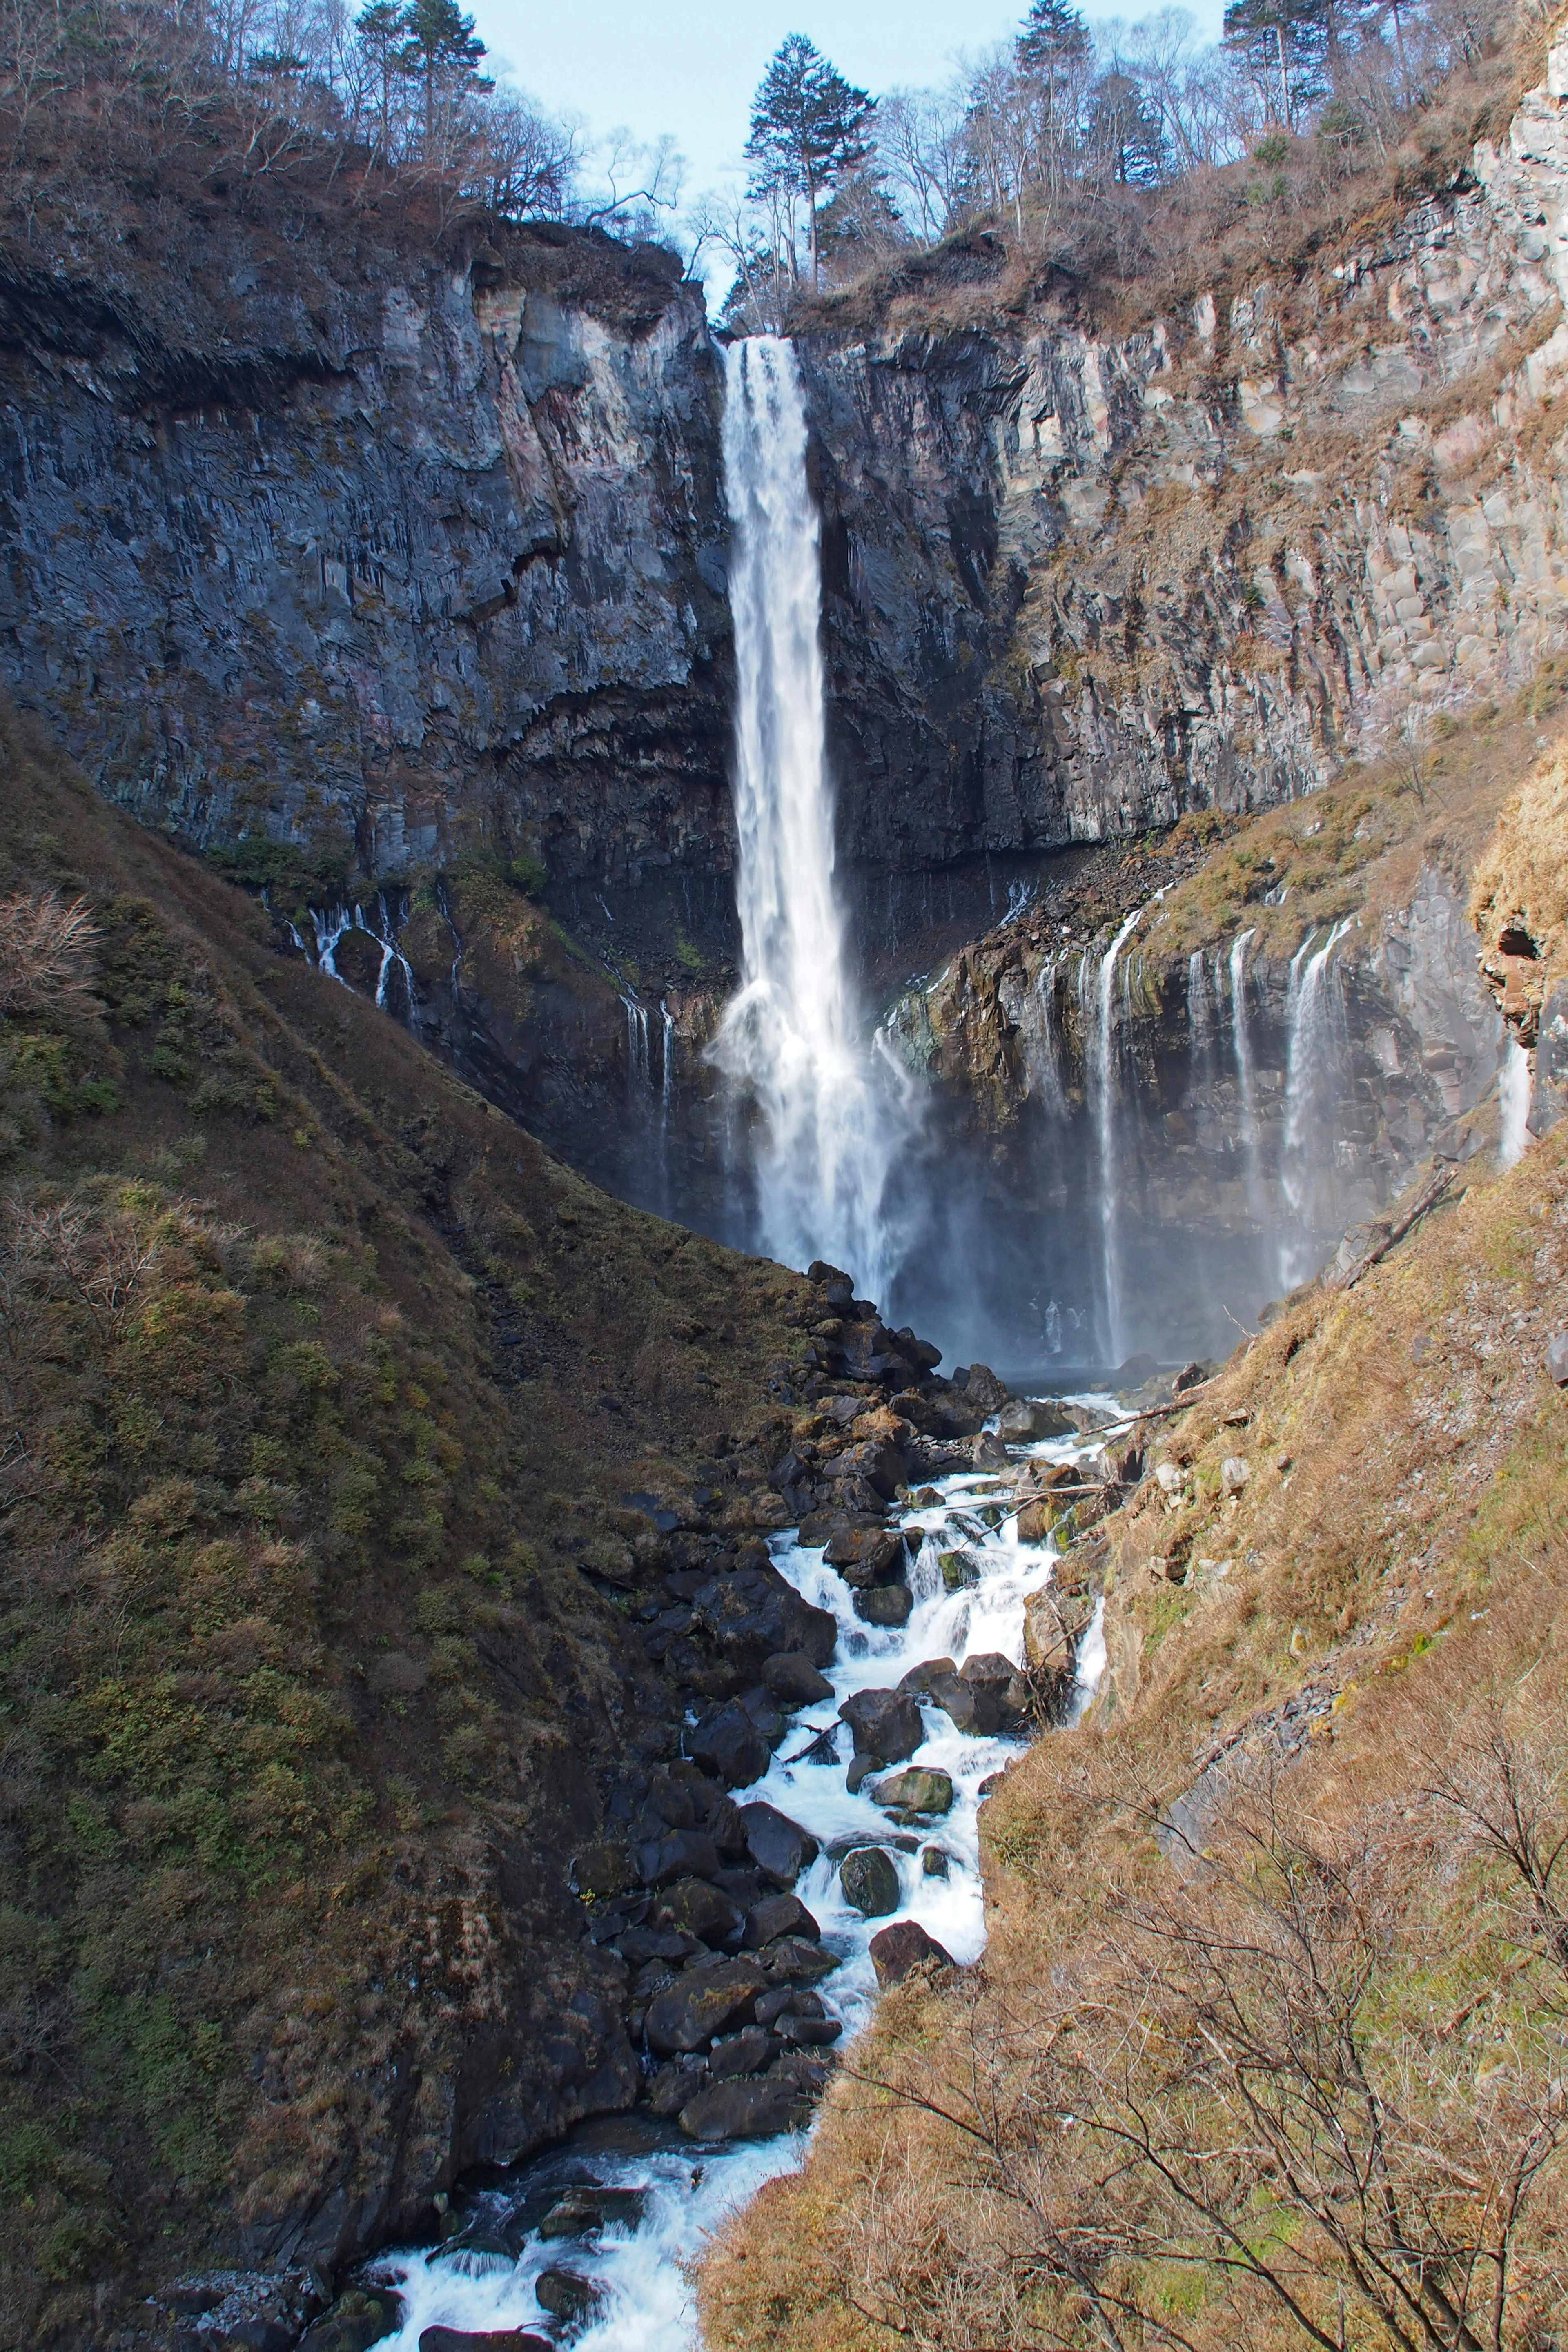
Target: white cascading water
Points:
(1310, 1006)
(1100, 1042)
(485, 2280)
(832, 1114)
(1246, 1077)
(1513, 1097)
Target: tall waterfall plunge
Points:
(832, 1112)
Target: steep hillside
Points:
(340, 1428)
(1267, 2044)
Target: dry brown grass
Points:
(1522, 884)
(1316, 2080)
(45, 952)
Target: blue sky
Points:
(691, 70)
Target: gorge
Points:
(585, 905)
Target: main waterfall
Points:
(831, 1114)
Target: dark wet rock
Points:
(885, 1604)
(869, 1880)
(885, 1723)
(497, 2339)
(809, 2032)
(728, 1742)
(989, 1451)
(1027, 1420)
(604, 1870)
(933, 1862)
(801, 1961)
(671, 2086)
(875, 1462)
(982, 1389)
(583, 2210)
(919, 1678)
(724, 1824)
(640, 1945)
(897, 1949)
(860, 1771)
(792, 1678)
(920, 1789)
(746, 2053)
(685, 1853)
(867, 1555)
(692, 1907)
(960, 1569)
(701, 2004)
(745, 2108)
(765, 1714)
(775, 1843)
(566, 2295)
(972, 1707)
(991, 1671)
(355, 2321)
(779, 1915)
(754, 1614)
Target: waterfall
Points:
(1307, 1007)
(1100, 1042)
(1513, 1097)
(667, 1062)
(1246, 1081)
(331, 926)
(1200, 1011)
(830, 1118)
(639, 1074)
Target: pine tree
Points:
(1284, 44)
(1124, 135)
(439, 44)
(1054, 36)
(807, 129)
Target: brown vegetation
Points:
(321, 1388)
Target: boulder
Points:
(565, 2294)
(603, 1869)
(1191, 1376)
(885, 1723)
(775, 1843)
(876, 1462)
(587, 2208)
(752, 1615)
(867, 1555)
(742, 2053)
(495, 2339)
(859, 1771)
(997, 1674)
(1557, 1358)
(934, 1862)
(919, 1678)
(700, 2003)
(356, 2321)
(692, 1907)
(920, 1789)
(982, 1389)
(798, 1960)
(1234, 1474)
(684, 1853)
(960, 1569)
(1053, 1623)
(792, 1678)
(869, 1880)
(897, 1949)
(728, 1742)
(885, 1604)
(989, 1451)
(970, 1706)
(751, 2106)
(779, 1915)
(1037, 1519)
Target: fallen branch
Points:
(1428, 1198)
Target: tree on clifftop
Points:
(808, 127)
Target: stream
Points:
(641, 2266)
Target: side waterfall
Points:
(831, 1115)
(1101, 1058)
(1245, 1079)
(1311, 1003)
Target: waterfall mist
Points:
(831, 1110)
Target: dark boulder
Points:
(992, 1672)
(754, 1614)
(885, 1723)
(745, 2053)
(496, 2339)
(589, 2208)
(775, 1843)
(729, 1743)
(565, 2294)
(779, 1915)
(692, 1907)
(877, 1463)
(919, 1789)
(802, 1961)
(919, 1678)
(869, 1880)
(685, 1853)
(701, 2004)
(972, 1706)
(867, 1555)
(885, 1604)
(752, 2106)
(897, 1949)
(355, 2321)
(983, 1391)
(792, 1678)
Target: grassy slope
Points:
(1396, 1566)
(321, 1382)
